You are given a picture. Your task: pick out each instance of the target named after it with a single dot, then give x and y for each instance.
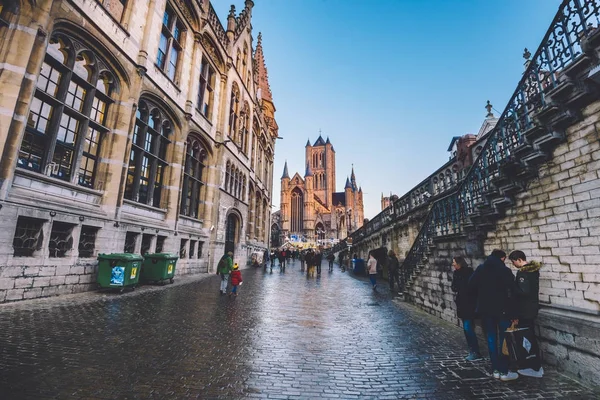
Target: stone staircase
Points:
(546, 102)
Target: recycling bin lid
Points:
(120, 256)
(162, 256)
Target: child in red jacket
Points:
(236, 279)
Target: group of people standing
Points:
(500, 300)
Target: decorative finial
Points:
(259, 38)
(489, 107)
(232, 11)
(526, 54)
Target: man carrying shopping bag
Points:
(522, 341)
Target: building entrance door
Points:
(231, 233)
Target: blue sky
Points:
(389, 81)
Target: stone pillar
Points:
(22, 56)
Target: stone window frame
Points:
(130, 243)
(72, 107)
(183, 249)
(85, 235)
(60, 243)
(206, 90)
(192, 251)
(192, 192)
(28, 230)
(244, 127)
(147, 242)
(172, 38)
(160, 244)
(234, 109)
(235, 181)
(148, 162)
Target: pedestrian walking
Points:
(394, 272)
(302, 258)
(330, 258)
(527, 287)
(282, 260)
(465, 305)
(318, 260)
(236, 279)
(224, 268)
(493, 281)
(372, 268)
(310, 263)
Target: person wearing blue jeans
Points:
(494, 330)
(493, 282)
(465, 304)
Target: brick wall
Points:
(556, 220)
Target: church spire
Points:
(348, 184)
(353, 179)
(308, 171)
(285, 175)
(263, 77)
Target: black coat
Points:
(465, 300)
(493, 282)
(527, 294)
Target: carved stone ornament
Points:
(184, 7)
(212, 52)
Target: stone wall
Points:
(556, 220)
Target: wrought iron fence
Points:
(560, 48)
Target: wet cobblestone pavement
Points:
(284, 337)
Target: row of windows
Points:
(235, 181)
(29, 238)
(67, 124)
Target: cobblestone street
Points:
(284, 337)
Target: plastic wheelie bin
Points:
(159, 267)
(119, 270)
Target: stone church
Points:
(311, 209)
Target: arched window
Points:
(236, 185)
(244, 72)
(193, 177)
(255, 133)
(244, 127)
(297, 217)
(231, 180)
(67, 118)
(244, 189)
(148, 157)
(257, 217)
(227, 176)
(233, 113)
(171, 43)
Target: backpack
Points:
(222, 266)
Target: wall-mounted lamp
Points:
(218, 144)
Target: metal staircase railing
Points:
(532, 124)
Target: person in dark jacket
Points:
(394, 272)
(465, 304)
(493, 281)
(527, 302)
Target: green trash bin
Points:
(159, 267)
(119, 270)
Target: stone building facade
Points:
(310, 207)
(129, 126)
